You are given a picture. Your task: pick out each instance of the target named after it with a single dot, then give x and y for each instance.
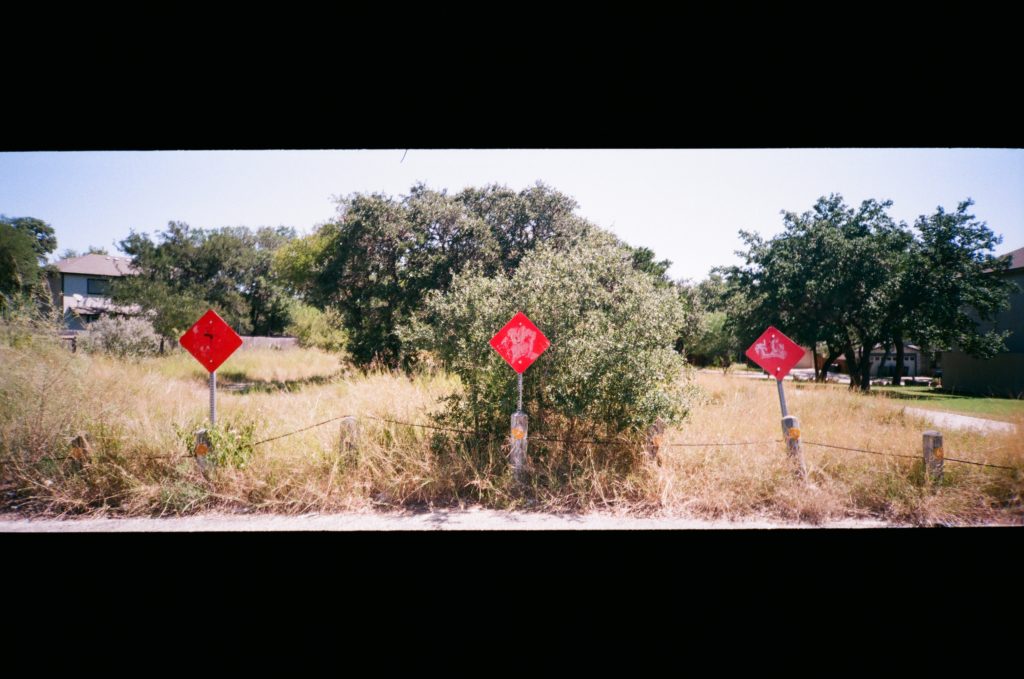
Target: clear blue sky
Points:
(686, 205)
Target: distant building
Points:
(915, 361)
(81, 287)
(1002, 375)
(807, 360)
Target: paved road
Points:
(443, 520)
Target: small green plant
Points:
(230, 444)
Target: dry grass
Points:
(758, 479)
(252, 365)
(136, 412)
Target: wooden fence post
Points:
(347, 439)
(520, 428)
(655, 437)
(791, 431)
(933, 455)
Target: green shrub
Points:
(318, 329)
(232, 444)
(122, 337)
(610, 367)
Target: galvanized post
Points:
(81, 451)
(213, 399)
(655, 436)
(933, 456)
(520, 427)
(519, 404)
(348, 435)
(782, 398)
(202, 449)
(791, 431)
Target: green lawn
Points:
(981, 406)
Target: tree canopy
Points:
(855, 278)
(379, 258)
(611, 362)
(41, 234)
(19, 263)
(188, 270)
(25, 243)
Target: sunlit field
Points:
(140, 416)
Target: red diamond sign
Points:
(211, 340)
(520, 342)
(775, 352)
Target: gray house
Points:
(81, 287)
(1002, 375)
(915, 361)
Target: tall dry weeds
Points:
(138, 416)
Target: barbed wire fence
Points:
(572, 441)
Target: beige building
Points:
(1002, 375)
(81, 287)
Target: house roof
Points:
(97, 265)
(1016, 259)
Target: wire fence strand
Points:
(726, 443)
(910, 457)
(298, 431)
(980, 464)
(860, 450)
(545, 439)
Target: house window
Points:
(97, 286)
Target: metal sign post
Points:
(213, 398)
(520, 342)
(211, 341)
(782, 398)
(777, 354)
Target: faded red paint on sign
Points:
(520, 342)
(775, 352)
(211, 340)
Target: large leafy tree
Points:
(25, 243)
(611, 363)
(853, 279)
(379, 258)
(19, 263)
(955, 283)
(716, 309)
(41, 234)
(818, 280)
(187, 270)
(520, 221)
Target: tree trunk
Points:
(897, 377)
(865, 377)
(885, 357)
(830, 358)
(865, 365)
(852, 366)
(814, 355)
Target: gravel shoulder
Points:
(955, 421)
(435, 520)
